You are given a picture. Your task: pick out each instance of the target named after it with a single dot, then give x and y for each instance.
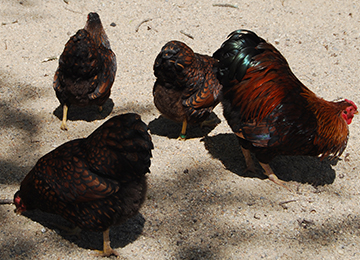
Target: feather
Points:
(186, 88)
(270, 110)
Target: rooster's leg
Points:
(107, 250)
(250, 166)
(269, 172)
(183, 131)
(63, 123)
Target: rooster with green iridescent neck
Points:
(270, 111)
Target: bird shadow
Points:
(120, 236)
(303, 169)
(165, 127)
(196, 252)
(88, 113)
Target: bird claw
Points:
(106, 253)
(252, 169)
(181, 137)
(63, 127)
(276, 180)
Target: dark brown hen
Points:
(95, 182)
(87, 68)
(186, 89)
(270, 110)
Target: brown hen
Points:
(186, 89)
(87, 68)
(96, 182)
(270, 110)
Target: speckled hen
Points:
(94, 182)
(186, 88)
(87, 68)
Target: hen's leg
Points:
(63, 123)
(183, 131)
(269, 172)
(100, 109)
(210, 123)
(107, 250)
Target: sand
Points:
(201, 204)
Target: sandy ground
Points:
(200, 204)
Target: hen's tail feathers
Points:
(236, 53)
(124, 143)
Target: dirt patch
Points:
(200, 204)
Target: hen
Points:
(270, 110)
(186, 89)
(86, 69)
(94, 182)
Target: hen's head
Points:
(93, 23)
(20, 206)
(349, 112)
(94, 27)
(93, 17)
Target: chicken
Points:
(94, 182)
(86, 69)
(270, 111)
(186, 89)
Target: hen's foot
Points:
(107, 250)
(181, 137)
(107, 253)
(63, 126)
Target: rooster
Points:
(186, 89)
(87, 68)
(94, 182)
(270, 111)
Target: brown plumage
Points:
(94, 182)
(270, 110)
(186, 89)
(87, 68)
